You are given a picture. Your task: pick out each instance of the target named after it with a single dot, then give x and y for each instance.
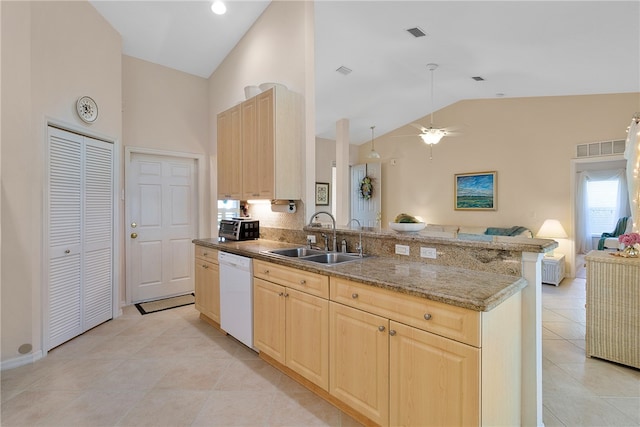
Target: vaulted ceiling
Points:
(518, 48)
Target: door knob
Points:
(134, 225)
(134, 235)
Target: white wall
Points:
(46, 66)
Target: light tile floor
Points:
(581, 391)
(171, 369)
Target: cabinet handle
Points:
(286, 295)
(392, 332)
(427, 316)
(354, 295)
(303, 282)
(205, 266)
(68, 251)
(265, 272)
(205, 253)
(281, 294)
(381, 328)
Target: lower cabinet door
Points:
(434, 381)
(207, 289)
(359, 361)
(269, 318)
(307, 336)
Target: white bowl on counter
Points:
(407, 227)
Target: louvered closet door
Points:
(80, 285)
(65, 207)
(98, 232)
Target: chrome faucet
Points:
(359, 247)
(333, 222)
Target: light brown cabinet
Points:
(359, 361)
(230, 154)
(404, 360)
(291, 319)
(207, 283)
(268, 136)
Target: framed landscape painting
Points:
(475, 191)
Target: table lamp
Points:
(551, 229)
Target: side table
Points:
(553, 269)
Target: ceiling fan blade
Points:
(406, 136)
(419, 126)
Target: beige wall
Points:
(168, 110)
(530, 143)
(46, 66)
(273, 50)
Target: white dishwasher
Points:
(236, 297)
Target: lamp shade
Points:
(552, 229)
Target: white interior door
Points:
(366, 210)
(162, 218)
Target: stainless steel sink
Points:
(332, 258)
(316, 255)
(296, 252)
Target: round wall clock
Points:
(87, 109)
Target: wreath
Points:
(366, 188)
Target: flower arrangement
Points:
(629, 239)
(366, 188)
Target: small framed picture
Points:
(475, 191)
(322, 193)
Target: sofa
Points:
(478, 233)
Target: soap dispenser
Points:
(343, 244)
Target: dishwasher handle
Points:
(234, 261)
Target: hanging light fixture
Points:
(432, 135)
(373, 154)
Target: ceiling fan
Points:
(431, 135)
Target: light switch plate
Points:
(402, 249)
(428, 252)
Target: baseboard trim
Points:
(20, 361)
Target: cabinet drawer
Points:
(207, 254)
(305, 281)
(457, 323)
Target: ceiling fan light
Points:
(432, 136)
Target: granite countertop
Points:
(475, 290)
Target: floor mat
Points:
(165, 304)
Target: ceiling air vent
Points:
(478, 78)
(603, 148)
(344, 70)
(416, 32)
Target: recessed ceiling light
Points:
(478, 78)
(218, 7)
(499, 94)
(416, 32)
(344, 70)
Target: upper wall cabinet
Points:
(230, 154)
(259, 148)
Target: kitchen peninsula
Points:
(443, 342)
